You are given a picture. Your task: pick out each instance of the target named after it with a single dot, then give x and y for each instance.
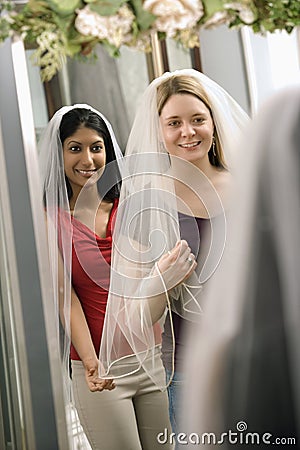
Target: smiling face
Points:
(187, 128)
(84, 154)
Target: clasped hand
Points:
(93, 381)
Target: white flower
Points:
(50, 54)
(142, 42)
(119, 26)
(247, 16)
(174, 15)
(189, 38)
(90, 23)
(113, 28)
(244, 12)
(218, 18)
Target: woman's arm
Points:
(82, 341)
(172, 269)
(81, 337)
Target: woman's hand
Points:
(93, 381)
(177, 265)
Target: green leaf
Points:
(4, 29)
(72, 49)
(113, 51)
(78, 39)
(143, 17)
(212, 6)
(36, 7)
(64, 7)
(106, 8)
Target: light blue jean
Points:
(174, 394)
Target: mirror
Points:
(249, 66)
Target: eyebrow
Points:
(177, 117)
(80, 143)
(171, 117)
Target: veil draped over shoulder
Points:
(247, 349)
(59, 228)
(147, 227)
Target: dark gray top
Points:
(197, 232)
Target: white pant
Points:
(129, 417)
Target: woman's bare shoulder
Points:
(223, 183)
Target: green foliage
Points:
(269, 16)
(106, 8)
(212, 6)
(277, 15)
(113, 51)
(64, 7)
(5, 29)
(50, 25)
(144, 18)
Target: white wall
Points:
(251, 67)
(272, 63)
(223, 60)
(38, 99)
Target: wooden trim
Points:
(164, 53)
(53, 95)
(157, 60)
(150, 68)
(196, 59)
(158, 63)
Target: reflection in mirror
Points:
(222, 57)
(178, 57)
(115, 86)
(11, 410)
(272, 61)
(110, 85)
(38, 99)
(133, 75)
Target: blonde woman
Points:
(172, 211)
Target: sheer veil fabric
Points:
(245, 363)
(59, 228)
(147, 227)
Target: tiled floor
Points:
(79, 440)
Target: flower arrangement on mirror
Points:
(72, 28)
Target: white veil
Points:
(59, 229)
(245, 364)
(147, 227)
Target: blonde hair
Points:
(185, 84)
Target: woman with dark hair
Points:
(81, 117)
(80, 163)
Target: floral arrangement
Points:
(61, 28)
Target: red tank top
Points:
(91, 258)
